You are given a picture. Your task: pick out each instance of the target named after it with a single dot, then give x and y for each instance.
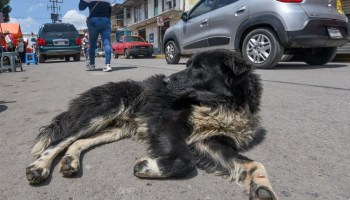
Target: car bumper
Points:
(59, 51)
(315, 34)
(141, 52)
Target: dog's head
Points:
(215, 71)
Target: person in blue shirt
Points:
(98, 22)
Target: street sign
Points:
(160, 21)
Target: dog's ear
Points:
(236, 63)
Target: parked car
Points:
(311, 29)
(132, 46)
(58, 40)
(99, 53)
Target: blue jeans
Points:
(96, 26)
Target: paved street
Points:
(305, 131)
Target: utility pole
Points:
(55, 9)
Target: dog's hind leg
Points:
(169, 155)
(216, 157)
(39, 170)
(71, 161)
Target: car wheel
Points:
(172, 53)
(67, 58)
(115, 55)
(127, 53)
(41, 58)
(77, 57)
(262, 49)
(319, 56)
(149, 55)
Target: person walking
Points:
(98, 22)
(86, 46)
(21, 50)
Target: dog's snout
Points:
(166, 79)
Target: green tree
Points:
(5, 8)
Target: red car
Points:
(132, 46)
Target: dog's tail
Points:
(48, 135)
(43, 140)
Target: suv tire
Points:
(41, 58)
(77, 57)
(262, 42)
(172, 53)
(319, 56)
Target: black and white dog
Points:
(201, 117)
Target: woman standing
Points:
(20, 49)
(98, 22)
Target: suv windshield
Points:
(60, 31)
(134, 39)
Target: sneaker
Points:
(107, 68)
(90, 67)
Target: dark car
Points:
(59, 40)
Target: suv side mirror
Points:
(184, 16)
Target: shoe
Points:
(107, 68)
(90, 67)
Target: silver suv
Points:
(263, 30)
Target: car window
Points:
(60, 31)
(202, 8)
(134, 39)
(222, 3)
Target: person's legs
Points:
(93, 27)
(106, 37)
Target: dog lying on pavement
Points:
(201, 117)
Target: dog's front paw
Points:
(69, 165)
(36, 174)
(147, 168)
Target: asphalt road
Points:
(305, 147)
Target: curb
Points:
(160, 56)
(342, 57)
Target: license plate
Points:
(60, 43)
(334, 33)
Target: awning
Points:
(13, 28)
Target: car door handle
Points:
(204, 23)
(240, 10)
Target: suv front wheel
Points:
(172, 53)
(262, 49)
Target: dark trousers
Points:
(22, 56)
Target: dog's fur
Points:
(201, 117)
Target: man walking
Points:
(98, 22)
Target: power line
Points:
(55, 9)
(44, 18)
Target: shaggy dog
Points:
(202, 116)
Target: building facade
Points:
(147, 18)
